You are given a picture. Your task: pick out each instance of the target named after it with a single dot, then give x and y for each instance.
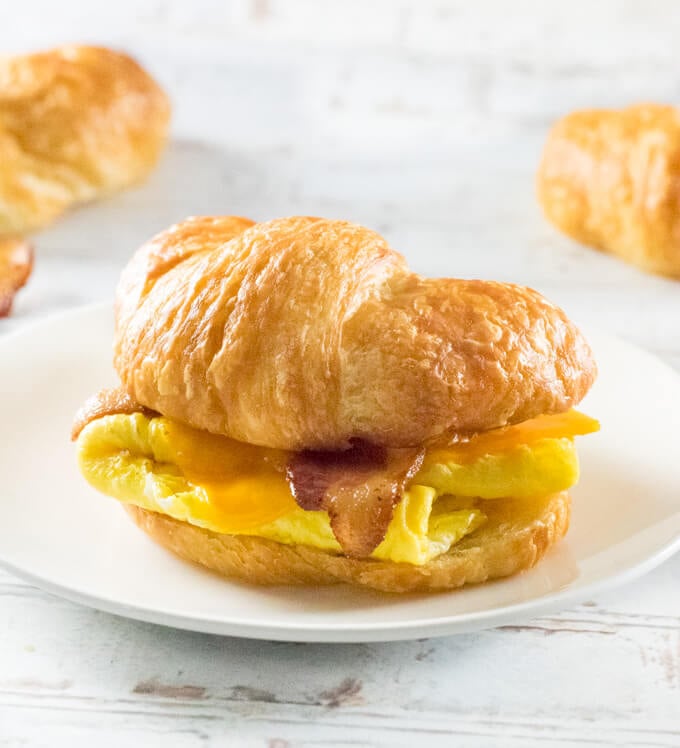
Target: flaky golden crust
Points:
(305, 333)
(76, 122)
(611, 179)
(516, 536)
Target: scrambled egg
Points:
(229, 487)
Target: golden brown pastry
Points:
(76, 123)
(297, 406)
(611, 179)
(303, 333)
(16, 264)
(515, 537)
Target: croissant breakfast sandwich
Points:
(611, 179)
(297, 406)
(76, 123)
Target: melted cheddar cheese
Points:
(231, 487)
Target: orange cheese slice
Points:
(558, 426)
(245, 485)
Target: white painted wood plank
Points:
(285, 727)
(436, 72)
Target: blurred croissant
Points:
(16, 264)
(306, 333)
(76, 123)
(611, 179)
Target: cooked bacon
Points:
(359, 489)
(106, 402)
(16, 263)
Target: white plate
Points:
(60, 534)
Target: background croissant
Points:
(611, 179)
(76, 122)
(305, 333)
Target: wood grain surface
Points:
(425, 121)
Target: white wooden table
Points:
(423, 120)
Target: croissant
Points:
(611, 179)
(297, 406)
(16, 265)
(303, 333)
(76, 123)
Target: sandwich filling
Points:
(402, 505)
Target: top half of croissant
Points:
(307, 333)
(76, 122)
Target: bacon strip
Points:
(106, 402)
(16, 264)
(359, 489)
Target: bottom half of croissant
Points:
(517, 534)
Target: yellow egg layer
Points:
(230, 487)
